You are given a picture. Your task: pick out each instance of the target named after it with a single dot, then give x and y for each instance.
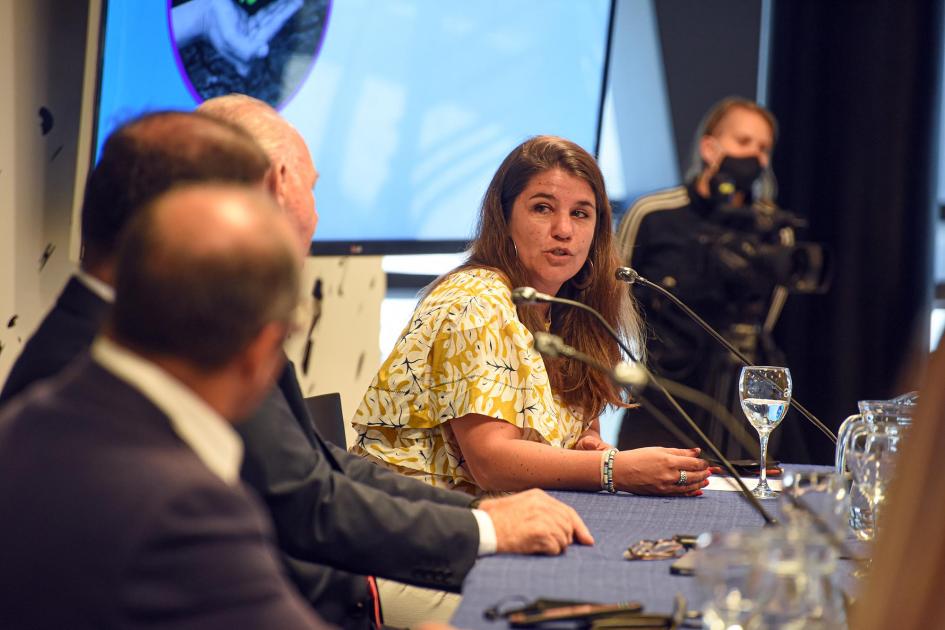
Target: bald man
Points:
(123, 505)
(293, 174)
(139, 161)
(341, 518)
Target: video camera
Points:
(750, 245)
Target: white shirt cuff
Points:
(487, 538)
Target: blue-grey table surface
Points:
(599, 572)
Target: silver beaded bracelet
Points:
(607, 471)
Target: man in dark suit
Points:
(122, 501)
(338, 518)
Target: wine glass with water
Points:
(765, 393)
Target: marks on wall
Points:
(46, 120)
(342, 262)
(10, 324)
(360, 366)
(316, 315)
(35, 243)
(46, 123)
(336, 348)
(47, 252)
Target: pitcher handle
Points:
(843, 436)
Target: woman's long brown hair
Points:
(578, 385)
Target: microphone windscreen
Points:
(626, 274)
(547, 343)
(524, 295)
(630, 374)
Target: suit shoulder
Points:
(65, 332)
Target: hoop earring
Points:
(586, 275)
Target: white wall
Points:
(345, 350)
(42, 44)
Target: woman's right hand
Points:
(655, 470)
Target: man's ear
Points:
(275, 181)
(709, 150)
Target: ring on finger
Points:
(683, 478)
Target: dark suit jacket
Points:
(111, 521)
(337, 509)
(67, 331)
(338, 517)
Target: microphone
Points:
(557, 348)
(626, 373)
(528, 295)
(628, 275)
(553, 346)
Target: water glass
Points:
(765, 393)
(816, 500)
(731, 578)
(802, 594)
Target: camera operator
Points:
(719, 244)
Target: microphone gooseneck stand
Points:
(553, 346)
(527, 295)
(628, 275)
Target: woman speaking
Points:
(464, 401)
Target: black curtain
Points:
(855, 85)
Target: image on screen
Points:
(407, 106)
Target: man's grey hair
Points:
(270, 130)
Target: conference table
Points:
(600, 573)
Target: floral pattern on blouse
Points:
(464, 351)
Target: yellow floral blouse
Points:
(464, 351)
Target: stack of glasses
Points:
(780, 577)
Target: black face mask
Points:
(735, 175)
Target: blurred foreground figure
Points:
(904, 587)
